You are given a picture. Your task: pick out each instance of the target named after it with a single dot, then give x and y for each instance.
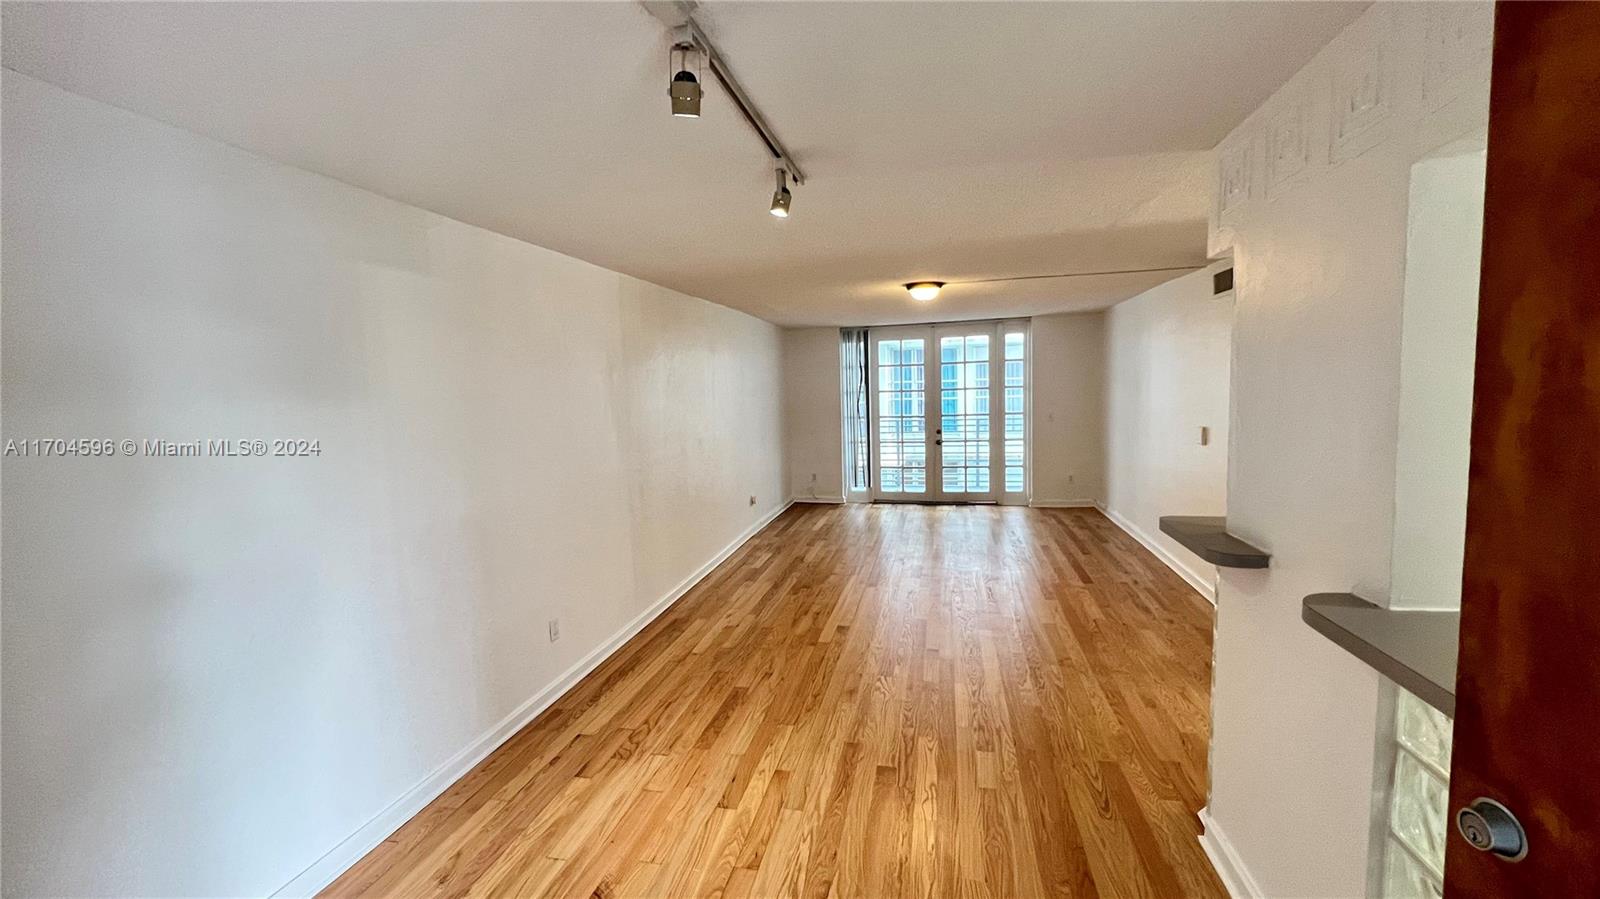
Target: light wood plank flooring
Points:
(863, 701)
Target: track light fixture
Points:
(685, 90)
(685, 87)
(781, 198)
(924, 290)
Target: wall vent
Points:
(1222, 282)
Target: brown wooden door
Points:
(1527, 725)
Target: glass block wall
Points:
(1413, 862)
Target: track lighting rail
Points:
(747, 107)
(679, 16)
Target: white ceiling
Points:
(941, 140)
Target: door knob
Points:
(1489, 826)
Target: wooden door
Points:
(1527, 724)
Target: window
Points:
(853, 383)
(1015, 435)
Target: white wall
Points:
(1068, 374)
(1167, 363)
(812, 420)
(1438, 345)
(217, 669)
(1311, 199)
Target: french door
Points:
(949, 412)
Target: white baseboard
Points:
(833, 500)
(1063, 503)
(350, 850)
(1205, 587)
(1225, 859)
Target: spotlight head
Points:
(780, 202)
(781, 198)
(685, 91)
(924, 290)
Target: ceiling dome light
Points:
(781, 198)
(685, 87)
(924, 290)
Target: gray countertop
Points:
(1414, 648)
(1207, 537)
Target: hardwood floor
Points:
(863, 701)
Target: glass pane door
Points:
(963, 434)
(900, 413)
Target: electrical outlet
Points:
(1071, 478)
(1205, 436)
(752, 499)
(555, 629)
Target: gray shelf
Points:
(1207, 537)
(1415, 649)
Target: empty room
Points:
(799, 449)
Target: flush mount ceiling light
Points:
(924, 290)
(685, 87)
(781, 198)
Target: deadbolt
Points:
(1490, 827)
